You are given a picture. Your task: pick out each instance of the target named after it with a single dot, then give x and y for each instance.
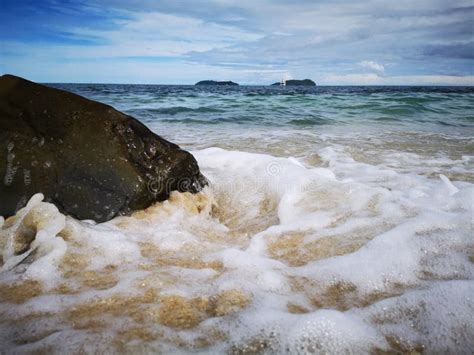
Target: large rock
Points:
(90, 160)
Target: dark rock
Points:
(90, 160)
(305, 82)
(220, 83)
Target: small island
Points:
(305, 82)
(213, 82)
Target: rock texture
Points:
(90, 160)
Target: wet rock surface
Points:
(90, 160)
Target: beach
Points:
(337, 219)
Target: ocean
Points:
(337, 219)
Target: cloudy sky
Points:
(334, 42)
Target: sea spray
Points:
(275, 255)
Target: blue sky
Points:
(338, 42)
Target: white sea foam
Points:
(276, 255)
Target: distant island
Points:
(305, 82)
(213, 82)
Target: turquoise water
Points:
(436, 107)
(371, 123)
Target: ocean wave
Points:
(387, 118)
(180, 109)
(274, 254)
(399, 110)
(191, 121)
(269, 105)
(310, 121)
(214, 120)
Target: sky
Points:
(256, 42)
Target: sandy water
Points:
(350, 230)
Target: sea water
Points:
(337, 220)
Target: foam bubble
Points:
(275, 255)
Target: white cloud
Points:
(256, 42)
(142, 34)
(374, 79)
(373, 66)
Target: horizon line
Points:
(265, 85)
